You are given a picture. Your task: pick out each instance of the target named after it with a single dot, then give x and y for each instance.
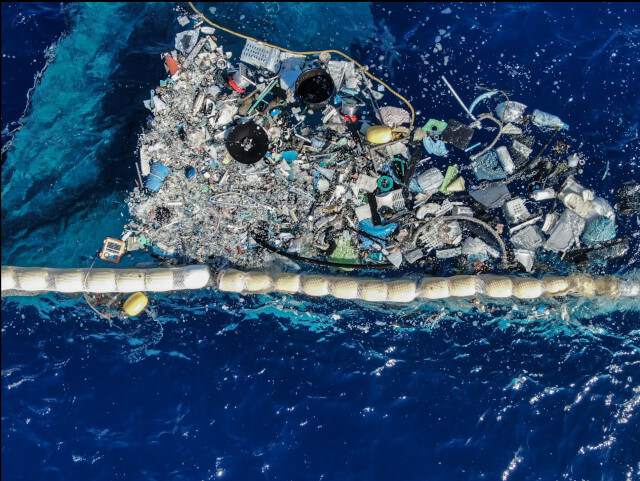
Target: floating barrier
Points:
(17, 281)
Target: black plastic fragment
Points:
(457, 134)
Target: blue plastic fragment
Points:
(156, 177)
(478, 256)
(477, 144)
(414, 186)
(481, 98)
(487, 167)
(189, 172)
(434, 147)
(316, 143)
(600, 230)
(382, 231)
(289, 155)
(365, 242)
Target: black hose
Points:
(319, 261)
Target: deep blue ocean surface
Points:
(217, 386)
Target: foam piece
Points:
(71, 280)
(231, 281)
(582, 285)
(608, 286)
(287, 283)
(257, 282)
(8, 278)
(401, 291)
(316, 286)
(373, 290)
(555, 286)
(33, 279)
(435, 288)
(195, 277)
(462, 286)
(345, 288)
(101, 281)
(498, 286)
(131, 280)
(159, 280)
(524, 288)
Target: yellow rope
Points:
(364, 69)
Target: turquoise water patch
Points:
(60, 190)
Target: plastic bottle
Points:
(543, 194)
(543, 119)
(505, 160)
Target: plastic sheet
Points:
(434, 147)
(487, 167)
(599, 230)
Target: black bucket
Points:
(315, 88)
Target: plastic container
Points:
(172, 65)
(543, 194)
(135, 304)
(510, 111)
(351, 105)
(505, 160)
(379, 134)
(315, 88)
(545, 120)
(156, 177)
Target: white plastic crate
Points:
(260, 55)
(516, 211)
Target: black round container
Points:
(247, 143)
(315, 88)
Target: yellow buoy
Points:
(136, 303)
(379, 134)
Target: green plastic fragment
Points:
(450, 176)
(205, 188)
(142, 240)
(435, 127)
(344, 253)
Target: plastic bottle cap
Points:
(385, 183)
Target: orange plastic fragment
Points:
(172, 65)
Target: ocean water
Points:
(217, 386)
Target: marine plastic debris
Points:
(293, 154)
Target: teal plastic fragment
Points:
(385, 183)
